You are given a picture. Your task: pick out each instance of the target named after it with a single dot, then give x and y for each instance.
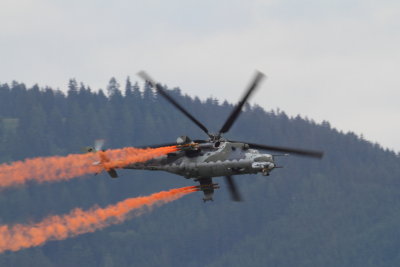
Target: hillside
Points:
(342, 210)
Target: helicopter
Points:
(203, 160)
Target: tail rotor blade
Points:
(98, 144)
(235, 195)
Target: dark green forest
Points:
(343, 210)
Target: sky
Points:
(334, 60)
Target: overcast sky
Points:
(328, 60)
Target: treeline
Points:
(340, 211)
(38, 121)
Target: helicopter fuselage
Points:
(211, 160)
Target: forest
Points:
(342, 210)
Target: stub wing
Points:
(207, 186)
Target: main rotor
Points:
(217, 137)
(214, 137)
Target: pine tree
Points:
(113, 87)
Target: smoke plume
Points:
(57, 168)
(78, 221)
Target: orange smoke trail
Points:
(78, 221)
(57, 168)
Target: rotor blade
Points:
(98, 144)
(162, 92)
(235, 113)
(300, 152)
(235, 195)
(200, 141)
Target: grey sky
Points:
(328, 60)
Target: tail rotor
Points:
(98, 149)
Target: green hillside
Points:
(343, 210)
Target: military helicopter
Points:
(202, 160)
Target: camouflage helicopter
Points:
(202, 160)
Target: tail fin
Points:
(98, 144)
